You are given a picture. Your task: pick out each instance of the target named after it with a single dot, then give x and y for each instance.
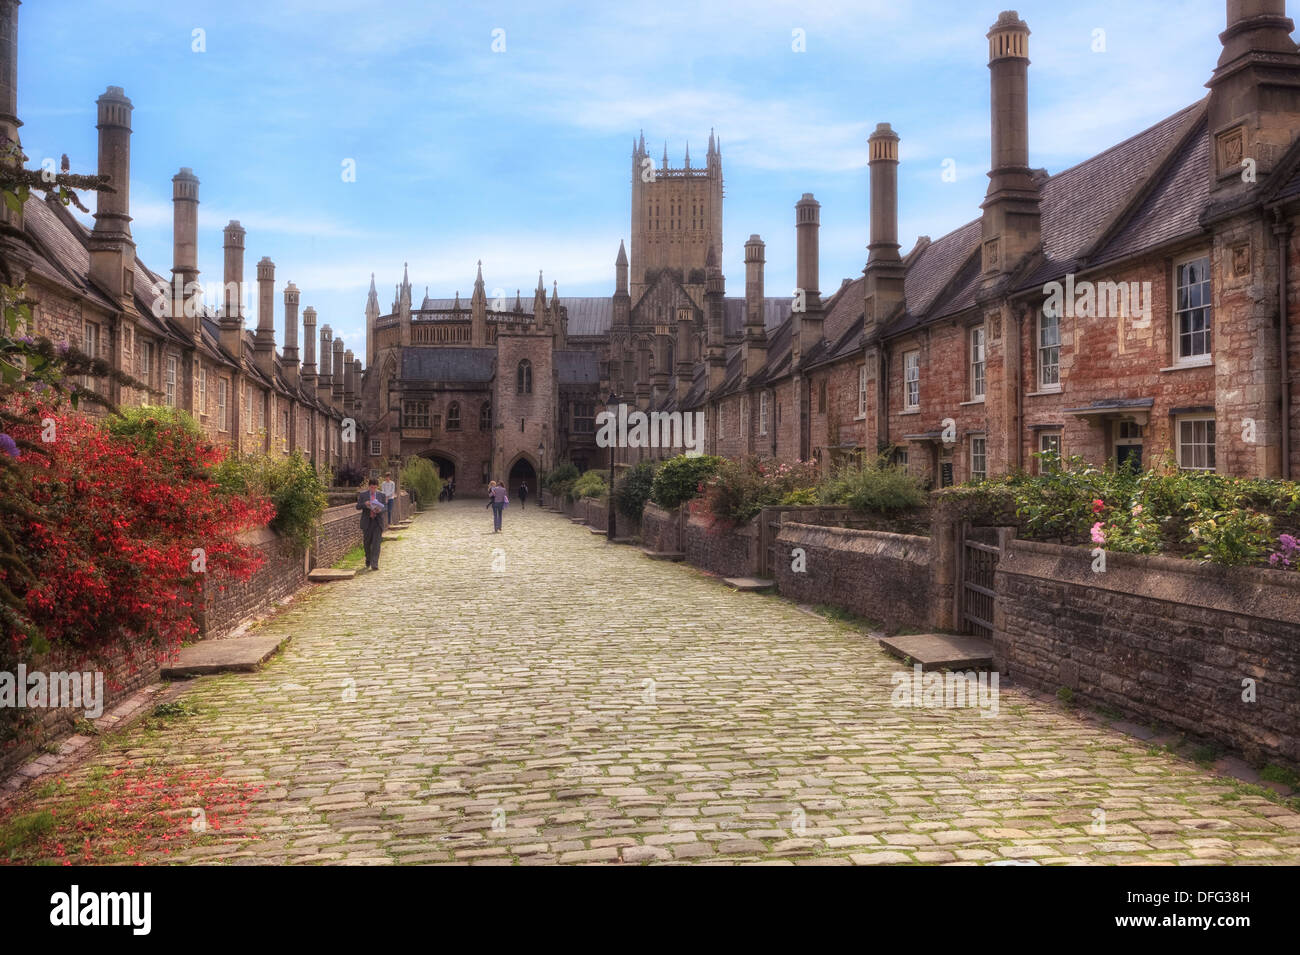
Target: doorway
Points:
(522, 473)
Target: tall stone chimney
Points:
(349, 380)
(324, 389)
(112, 250)
(289, 356)
(684, 352)
(339, 371)
(807, 324)
(1254, 106)
(187, 301)
(9, 121)
(1011, 220)
(715, 291)
(264, 340)
(232, 312)
(884, 273)
(309, 349)
(755, 343)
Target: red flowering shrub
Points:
(118, 532)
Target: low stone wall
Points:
(340, 531)
(727, 552)
(661, 529)
(1168, 640)
(883, 577)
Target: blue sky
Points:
(523, 157)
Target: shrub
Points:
(560, 481)
(682, 478)
(148, 425)
(291, 483)
(591, 484)
(421, 478)
(740, 489)
(1232, 537)
(350, 476)
(631, 493)
(800, 497)
(875, 487)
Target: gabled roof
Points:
(448, 364)
(574, 367)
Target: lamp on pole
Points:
(541, 465)
(611, 404)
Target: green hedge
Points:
(682, 478)
(421, 477)
(289, 481)
(632, 492)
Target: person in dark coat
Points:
(373, 506)
(523, 493)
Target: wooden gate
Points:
(979, 552)
(769, 526)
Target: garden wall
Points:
(661, 529)
(728, 553)
(881, 576)
(1167, 639)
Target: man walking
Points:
(389, 490)
(372, 504)
(523, 494)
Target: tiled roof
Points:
(589, 316)
(67, 260)
(936, 265)
(448, 364)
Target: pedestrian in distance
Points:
(523, 494)
(497, 500)
(389, 490)
(373, 506)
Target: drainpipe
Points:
(1020, 387)
(1282, 229)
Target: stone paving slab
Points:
(241, 654)
(535, 697)
(327, 575)
(749, 584)
(942, 650)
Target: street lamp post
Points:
(541, 465)
(610, 403)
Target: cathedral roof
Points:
(577, 367)
(448, 364)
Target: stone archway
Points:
(446, 464)
(522, 470)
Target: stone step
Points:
(942, 650)
(389, 537)
(239, 654)
(663, 554)
(749, 584)
(327, 575)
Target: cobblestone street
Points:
(585, 704)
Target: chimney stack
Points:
(755, 343)
(338, 371)
(885, 273)
(289, 357)
(309, 349)
(264, 340)
(324, 390)
(112, 250)
(187, 303)
(232, 312)
(1011, 220)
(349, 380)
(807, 325)
(9, 122)
(1254, 106)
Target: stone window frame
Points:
(1041, 350)
(223, 404)
(203, 391)
(524, 377)
(417, 418)
(1207, 444)
(979, 451)
(248, 411)
(821, 397)
(91, 342)
(913, 383)
(862, 392)
(453, 416)
(376, 447)
(171, 377)
(263, 399)
(977, 360)
(582, 417)
(762, 413)
(1176, 313)
(485, 416)
(144, 362)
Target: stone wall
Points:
(1168, 640)
(883, 577)
(661, 529)
(726, 552)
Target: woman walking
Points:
(497, 500)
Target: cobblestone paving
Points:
(586, 704)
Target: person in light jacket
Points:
(497, 500)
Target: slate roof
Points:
(577, 367)
(448, 364)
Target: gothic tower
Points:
(676, 217)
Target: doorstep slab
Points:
(662, 554)
(749, 584)
(240, 654)
(942, 650)
(327, 575)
